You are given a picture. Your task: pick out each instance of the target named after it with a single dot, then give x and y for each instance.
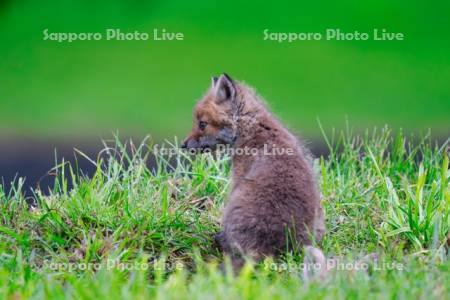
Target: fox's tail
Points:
(315, 264)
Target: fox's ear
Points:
(214, 81)
(224, 89)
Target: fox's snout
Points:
(201, 142)
(190, 143)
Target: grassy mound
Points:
(131, 231)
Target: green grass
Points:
(130, 232)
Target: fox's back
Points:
(274, 193)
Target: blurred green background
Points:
(91, 88)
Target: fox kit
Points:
(274, 202)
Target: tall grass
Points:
(394, 191)
(382, 193)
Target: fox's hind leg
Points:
(236, 257)
(221, 242)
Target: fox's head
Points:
(214, 117)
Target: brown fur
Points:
(272, 196)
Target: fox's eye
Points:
(202, 125)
